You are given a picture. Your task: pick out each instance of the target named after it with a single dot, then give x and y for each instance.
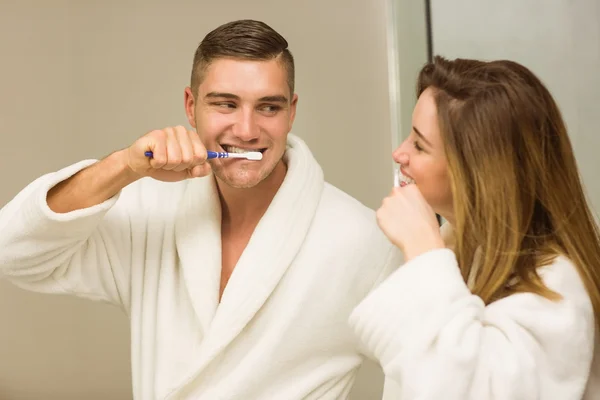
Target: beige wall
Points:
(82, 78)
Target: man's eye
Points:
(270, 109)
(225, 105)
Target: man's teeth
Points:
(232, 149)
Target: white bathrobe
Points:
(437, 341)
(280, 331)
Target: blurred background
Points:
(80, 79)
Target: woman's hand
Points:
(409, 222)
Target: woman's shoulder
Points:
(562, 276)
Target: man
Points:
(238, 276)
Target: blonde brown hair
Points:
(516, 189)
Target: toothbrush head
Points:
(254, 155)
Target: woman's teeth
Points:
(406, 180)
(402, 180)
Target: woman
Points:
(504, 304)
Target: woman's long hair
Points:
(517, 192)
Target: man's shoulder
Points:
(348, 220)
(340, 204)
(349, 226)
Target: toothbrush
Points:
(397, 177)
(251, 155)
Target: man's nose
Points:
(246, 127)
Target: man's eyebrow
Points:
(274, 99)
(222, 95)
(271, 99)
(422, 137)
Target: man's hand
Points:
(178, 154)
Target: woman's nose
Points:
(400, 155)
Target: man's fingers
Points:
(158, 146)
(177, 154)
(186, 149)
(174, 155)
(199, 170)
(198, 148)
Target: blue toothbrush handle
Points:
(211, 154)
(214, 154)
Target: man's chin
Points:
(247, 181)
(238, 184)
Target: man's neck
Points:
(243, 208)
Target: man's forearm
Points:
(92, 185)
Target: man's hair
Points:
(244, 40)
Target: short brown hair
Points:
(243, 39)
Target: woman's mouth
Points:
(401, 179)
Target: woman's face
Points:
(422, 157)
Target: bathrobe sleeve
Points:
(436, 340)
(82, 252)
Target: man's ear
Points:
(293, 105)
(190, 106)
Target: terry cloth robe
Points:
(436, 340)
(280, 331)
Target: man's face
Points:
(243, 105)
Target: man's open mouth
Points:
(234, 149)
